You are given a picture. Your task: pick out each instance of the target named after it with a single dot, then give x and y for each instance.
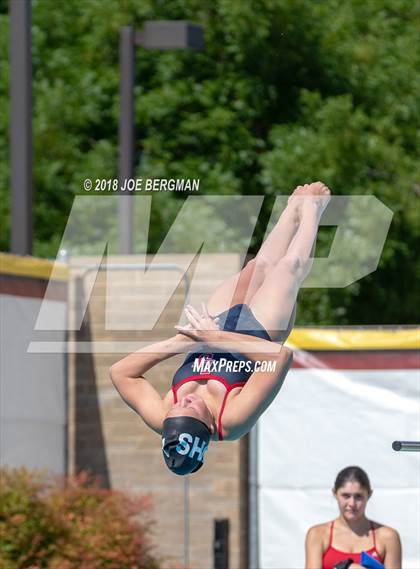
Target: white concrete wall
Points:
(32, 389)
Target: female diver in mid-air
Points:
(236, 360)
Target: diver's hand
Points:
(182, 343)
(201, 327)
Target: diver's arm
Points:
(138, 363)
(393, 554)
(135, 390)
(250, 347)
(313, 547)
(243, 410)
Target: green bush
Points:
(72, 523)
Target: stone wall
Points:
(110, 440)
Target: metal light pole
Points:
(20, 126)
(161, 35)
(126, 137)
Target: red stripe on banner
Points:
(378, 359)
(32, 288)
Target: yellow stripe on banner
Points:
(32, 267)
(342, 339)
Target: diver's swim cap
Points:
(185, 441)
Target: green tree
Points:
(286, 91)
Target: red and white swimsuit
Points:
(227, 368)
(333, 556)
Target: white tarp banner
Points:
(33, 396)
(322, 421)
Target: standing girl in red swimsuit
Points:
(235, 365)
(342, 541)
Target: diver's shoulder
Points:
(319, 530)
(385, 532)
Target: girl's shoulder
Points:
(319, 528)
(388, 541)
(384, 532)
(320, 532)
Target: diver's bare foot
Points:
(308, 195)
(295, 201)
(316, 193)
(320, 194)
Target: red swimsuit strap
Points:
(373, 534)
(331, 534)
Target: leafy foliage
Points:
(71, 524)
(285, 92)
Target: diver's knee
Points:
(293, 265)
(260, 265)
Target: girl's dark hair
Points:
(352, 474)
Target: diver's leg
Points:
(235, 289)
(278, 241)
(273, 304)
(241, 287)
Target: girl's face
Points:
(352, 499)
(193, 405)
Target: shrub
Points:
(72, 523)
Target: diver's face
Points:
(352, 499)
(193, 405)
